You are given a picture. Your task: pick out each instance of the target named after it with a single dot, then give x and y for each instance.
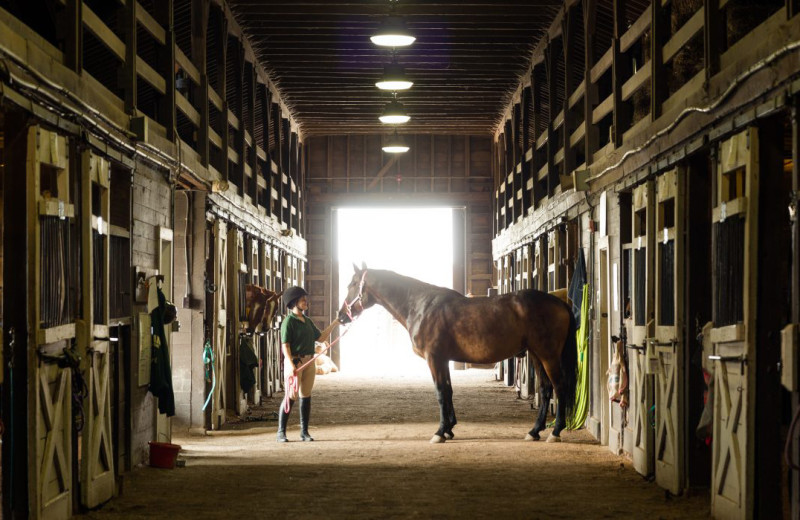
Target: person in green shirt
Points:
(298, 335)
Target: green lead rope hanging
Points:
(581, 408)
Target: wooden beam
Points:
(103, 33)
(128, 74)
(569, 87)
(221, 29)
(151, 76)
(250, 126)
(712, 37)
(165, 56)
(591, 132)
(620, 71)
(386, 167)
(552, 144)
(70, 32)
(236, 53)
(683, 35)
(151, 25)
(658, 33)
(200, 12)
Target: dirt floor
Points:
(372, 459)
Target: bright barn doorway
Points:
(416, 242)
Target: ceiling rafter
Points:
(468, 60)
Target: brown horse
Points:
(445, 326)
(260, 306)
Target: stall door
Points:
(640, 324)
(219, 324)
(97, 461)
(237, 276)
(53, 257)
(255, 268)
(734, 285)
(667, 345)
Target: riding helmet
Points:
(291, 295)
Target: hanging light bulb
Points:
(394, 113)
(395, 145)
(394, 78)
(392, 33)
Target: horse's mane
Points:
(408, 282)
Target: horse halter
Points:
(357, 299)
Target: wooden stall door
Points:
(220, 324)
(667, 344)
(734, 288)
(53, 247)
(254, 274)
(53, 450)
(611, 433)
(97, 461)
(641, 395)
(237, 270)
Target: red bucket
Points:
(163, 454)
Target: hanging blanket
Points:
(579, 294)
(160, 371)
(247, 362)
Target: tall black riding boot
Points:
(283, 418)
(305, 412)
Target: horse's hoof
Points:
(436, 439)
(553, 438)
(448, 435)
(529, 437)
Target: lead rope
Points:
(208, 360)
(292, 382)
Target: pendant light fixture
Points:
(394, 78)
(394, 113)
(392, 33)
(395, 144)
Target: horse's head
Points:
(357, 298)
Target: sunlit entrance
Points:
(416, 242)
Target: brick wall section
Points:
(181, 341)
(152, 207)
(188, 371)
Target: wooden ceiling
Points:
(466, 63)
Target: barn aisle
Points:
(372, 459)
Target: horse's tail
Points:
(569, 366)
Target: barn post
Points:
(795, 277)
(15, 318)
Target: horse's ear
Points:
(363, 266)
(355, 268)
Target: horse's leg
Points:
(444, 394)
(561, 413)
(545, 393)
(451, 412)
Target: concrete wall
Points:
(152, 207)
(189, 290)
